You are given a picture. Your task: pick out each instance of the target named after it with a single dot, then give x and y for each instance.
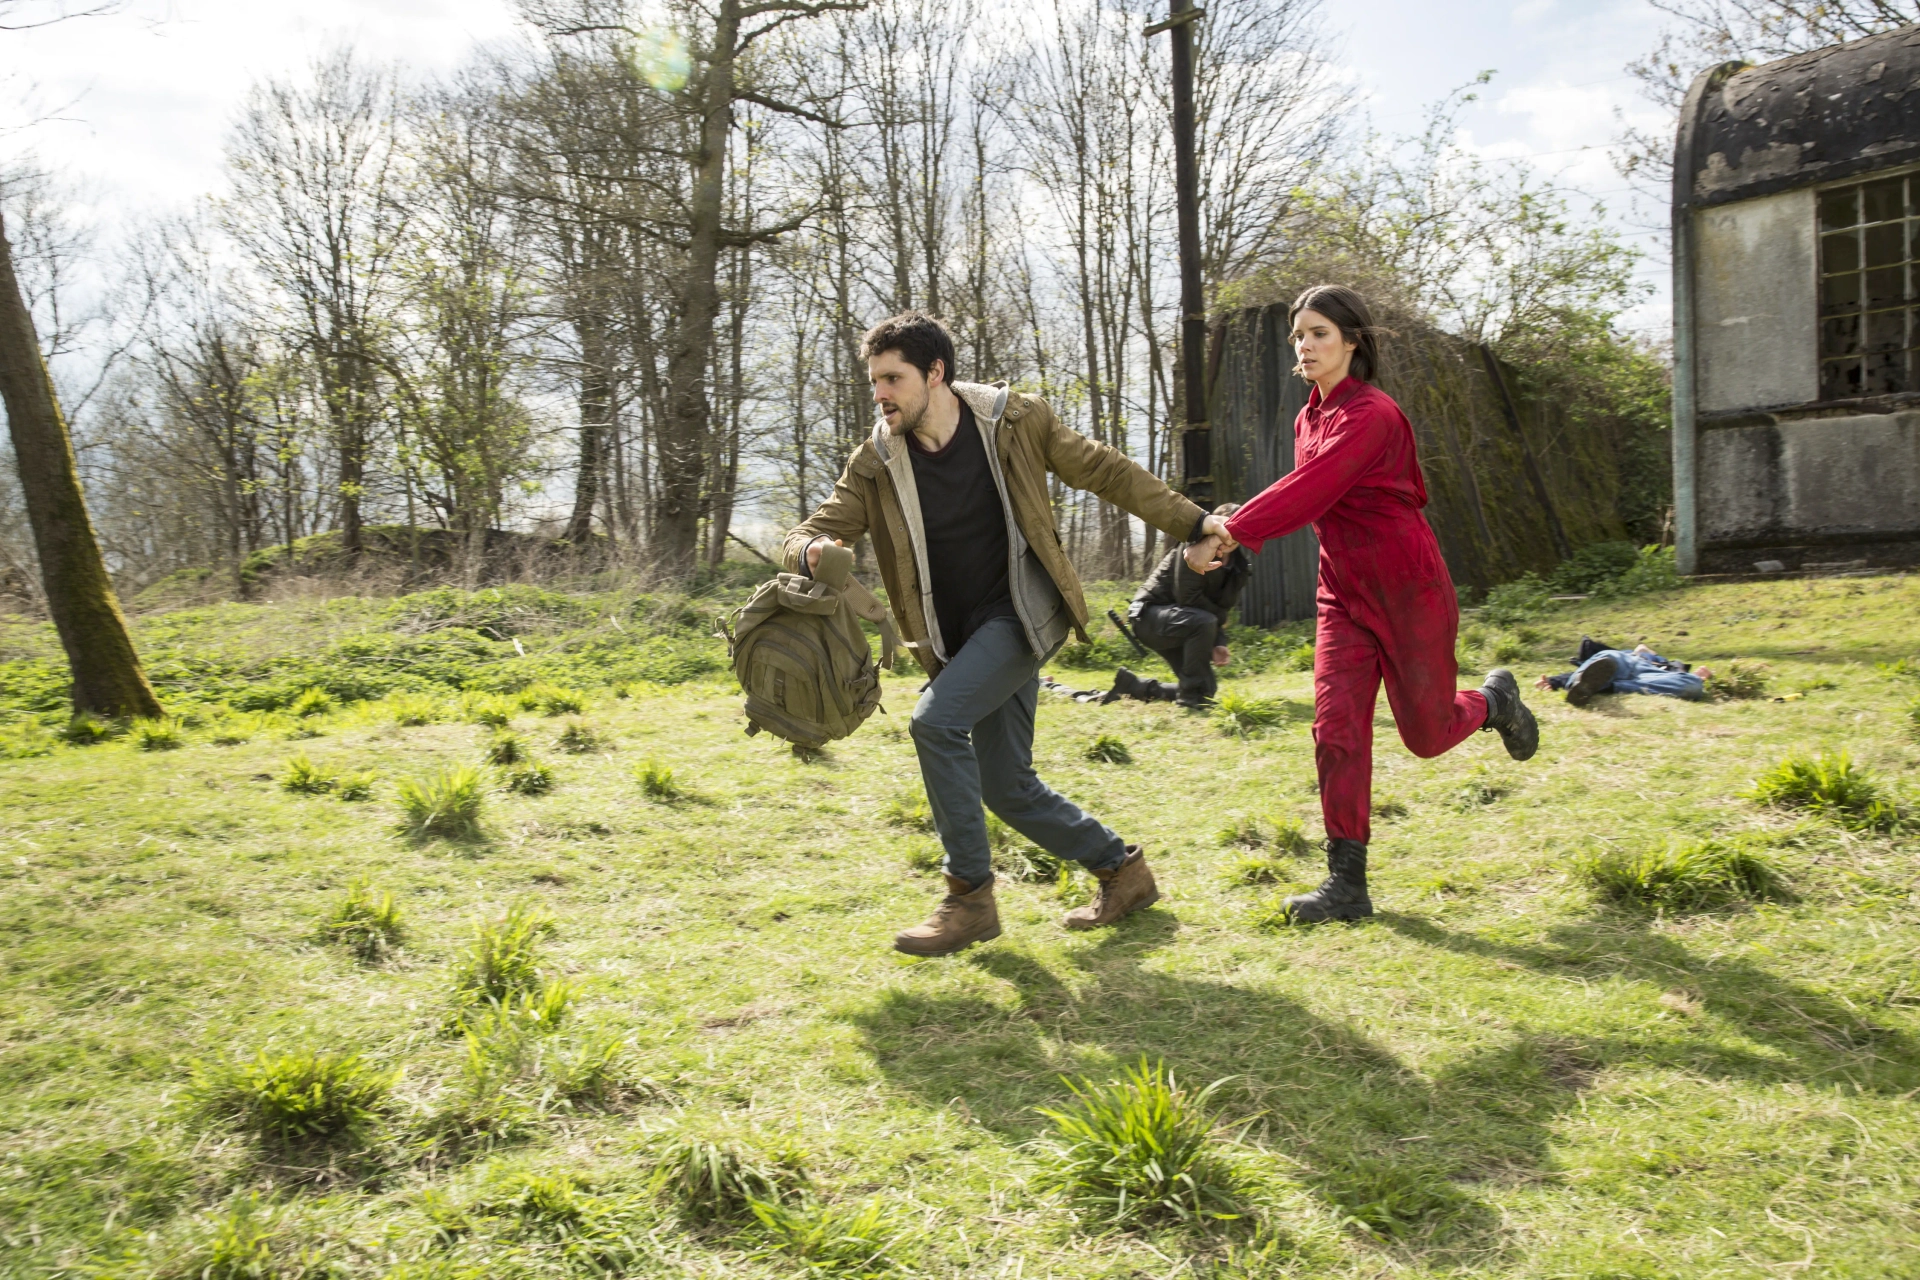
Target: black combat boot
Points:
(1508, 716)
(1594, 679)
(1343, 894)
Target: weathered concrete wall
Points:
(1755, 284)
(1810, 488)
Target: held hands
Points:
(1211, 551)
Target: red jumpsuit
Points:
(1387, 608)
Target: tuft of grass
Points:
(506, 747)
(1271, 914)
(502, 960)
(830, 1240)
(578, 739)
(1107, 749)
(1282, 835)
(446, 804)
(1141, 1149)
(246, 1239)
(357, 785)
(1244, 715)
(1483, 786)
(1683, 876)
(1028, 863)
(1908, 667)
(310, 702)
(163, 734)
(1741, 679)
(28, 741)
(529, 779)
(656, 780)
(303, 777)
(909, 811)
(412, 709)
(1299, 658)
(87, 729)
(493, 710)
(1258, 868)
(720, 1180)
(1391, 1200)
(1829, 784)
(366, 925)
(553, 700)
(299, 1099)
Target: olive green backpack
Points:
(801, 657)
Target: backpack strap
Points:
(868, 606)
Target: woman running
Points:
(1387, 608)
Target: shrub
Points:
(310, 702)
(1515, 601)
(489, 709)
(410, 709)
(719, 1180)
(1653, 569)
(368, 926)
(164, 734)
(446, 804)
(656, 779)
(553, 700)
(506, 747)
(1739, 679)
(1508, 649)
(529, 779)
(830, 1240)
(1140, 1149)
(1830, 785)
(1107, 749)
(356, 786)
(304, 777)
(1592, 566)
(1239, 713)
(578, 738)
(297, 1099)
(1682, 876)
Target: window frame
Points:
(1831, 328)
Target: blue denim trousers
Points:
(1637, 673)
(973, 732)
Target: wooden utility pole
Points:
(1196, 441)
(107, 679)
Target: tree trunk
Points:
(596, 418)
(107, 678)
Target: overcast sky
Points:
(142, 99)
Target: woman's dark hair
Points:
(918, 337)
(1348, 310)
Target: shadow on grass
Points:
(1814, 1038)
(1392, 1152)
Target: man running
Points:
(952, 486)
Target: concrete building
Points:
(1796, 283)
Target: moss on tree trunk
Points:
(107, 678)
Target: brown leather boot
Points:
(964, 917)
(1123, 891)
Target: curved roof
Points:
(1815, 117)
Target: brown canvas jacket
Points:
(876, 494)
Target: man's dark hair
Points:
(1348, 310)
(918, 337)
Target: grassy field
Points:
(1504, 1073)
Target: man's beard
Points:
(910, 420)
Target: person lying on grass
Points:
(1601, 670)
(953, 488)
(1388, 612)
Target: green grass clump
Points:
(87, 729)
(28, 741)
(578, 739)
(1258, 868)
(366, 925)
(297, 1099)
(310, 702)
(412, 709)
(248, 1238)
(908, 811)
(493, 710)
(506, 747)
(1281, 835)
(656, 780)
(357, 785)
(1271, 914)
(1107, 749)
(446, 804)
(1244, 715)
(1740, 680)
(1830, 785)
(553, 700)
(1140, 1150)
(303, 777)
(1392, 1200)
(854, 1241)
(1028, 863)
(164, 734)
(1683, 876)
(529, 779)
(503, 960)
(712, 1179)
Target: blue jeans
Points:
(973, 732)
(1637, 673)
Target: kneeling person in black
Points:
(1182, 616)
